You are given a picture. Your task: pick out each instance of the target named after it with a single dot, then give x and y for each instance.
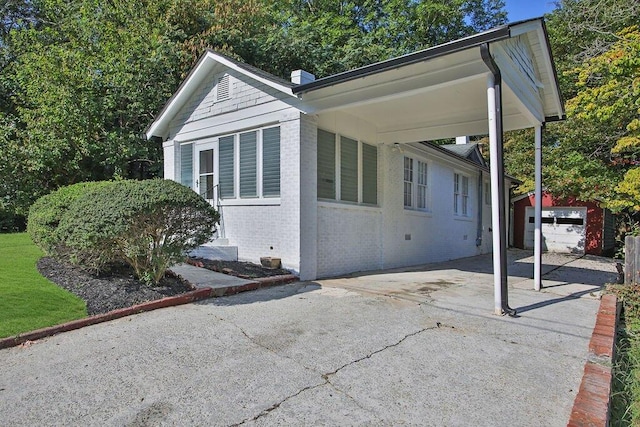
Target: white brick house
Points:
(333, 175)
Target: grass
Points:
(28, 301)
(625, 397)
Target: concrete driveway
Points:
(415, 346)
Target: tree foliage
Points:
(609, 100)
(86, 81)
(327, 37)
(593, 153)
(81, 80)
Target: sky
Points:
(525, 9)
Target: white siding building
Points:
(333, 175)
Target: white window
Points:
(347, 169)
(408, 182)
(416, 194)
(422, 185)
(465, 196)
(226, 175)
(460, 195)
(186, 165)
(248, 165)
(487, 193)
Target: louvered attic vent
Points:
(223, 90)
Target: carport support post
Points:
(499, 234)
(537, 233)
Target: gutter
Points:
(495, 34)
(502, 306)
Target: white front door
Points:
(205, 172)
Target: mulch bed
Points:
(117, 288)
(245, 270)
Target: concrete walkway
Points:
(416, 346)
(203, 278)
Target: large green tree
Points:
(595, 51)
(326, 37)
(84, 79)
(80, 80)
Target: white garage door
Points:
(563, 229)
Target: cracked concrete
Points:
(373, 349)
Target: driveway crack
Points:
(326, 377)
(368, 356)
(277, 405)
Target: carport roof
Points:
(435, 93)
(441, 92)
(495, 34)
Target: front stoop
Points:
(216, 250)
(592, 404)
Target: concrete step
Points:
(223, 253)
(218, 242)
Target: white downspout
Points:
(498, 222)
(495, 200)
(537, 233)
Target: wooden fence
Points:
(632, 260)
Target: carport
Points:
(499, 80)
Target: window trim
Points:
(337, 140)
(408, 183)
(236, 199)
(461, 200)
(415, 184)
(487, 193)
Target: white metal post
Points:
(495, 199)
(537, 233)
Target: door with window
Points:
(204, 172)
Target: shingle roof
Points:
(469, 151)
(254, 70)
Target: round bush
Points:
(46, 212)
(147, 224)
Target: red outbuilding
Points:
(568, 225)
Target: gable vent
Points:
(223, 90)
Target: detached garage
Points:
(568, 225)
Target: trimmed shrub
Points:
(147, 224)
(46, 213)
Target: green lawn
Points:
(28, 301)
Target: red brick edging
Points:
(185, 298)
(99, 318)
(261, 282)
(591, 407)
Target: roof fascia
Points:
(234, 66)
(152, 129)
(498, 33)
